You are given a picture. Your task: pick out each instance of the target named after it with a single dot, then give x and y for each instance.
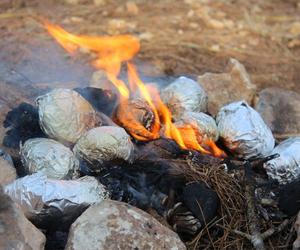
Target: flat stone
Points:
(7, 172)
(16, 232)
(232, 85)
(117, 225)
(280, 109)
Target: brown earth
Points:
(178, 37)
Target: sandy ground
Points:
(178, 37)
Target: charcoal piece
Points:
(23, 124)
(102, 100)
(201, 200)
(289, 201)
(161, 148)
(136, 186)
(56, 240)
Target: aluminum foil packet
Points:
(104, 145)
(52, 158)
(57, 202)
(204, 124)
(286, 167)
(184, 95)
(64, 115)
(244, 132)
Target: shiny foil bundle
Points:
(52, 158)
(64, 115)
(184, 95)
(104, 145)
(286, 167)
(244, 132)
(57, 202)
(204, 125)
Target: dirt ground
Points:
(177, 37)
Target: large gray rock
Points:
(16, 232)
(7, 169)
(232, 85)
(116, 225)
(280, 109)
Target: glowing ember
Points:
(111, 52)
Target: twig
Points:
(253, 220)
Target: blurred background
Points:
(177, 37)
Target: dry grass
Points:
(219, 233)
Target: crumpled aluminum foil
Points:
(184, 95)
(52, 158)
(244, 132)
(286, 167)
(64, 115)
(51, 201)
(104, 145)
(203, 123)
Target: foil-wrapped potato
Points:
(52, 158)
(64, 115)
(244, 132)
(137, 117)
(286, 167)
(184, 95)
(55, 203)
(104, 145)
(204, 125)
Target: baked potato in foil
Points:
(243, 131)
(184, 95)
(104, 146)
(204, 125)
(52, 158)
(286, 167)
(55, 203)
(64, 115)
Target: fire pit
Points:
(89, 163)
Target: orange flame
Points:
(111, 52)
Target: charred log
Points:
(23, 124)
(102, 100)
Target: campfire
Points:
(145, 147)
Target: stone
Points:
(280, 109)
(72, 1)
(132, 8)
(99, 2)
(232, 85)
(295, 29)
(7, 172)
(117, 225)
(16, 232)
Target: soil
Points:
(177, 37)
